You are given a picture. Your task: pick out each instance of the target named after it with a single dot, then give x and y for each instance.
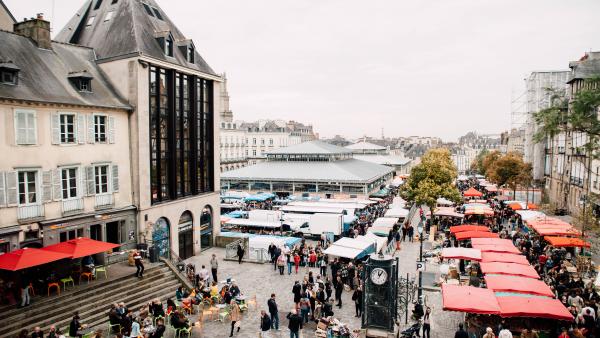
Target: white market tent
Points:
(396, 212)
(341, 251)
(530, 214)
(242, 222)
(381, 231)
(350, 248)
(444, 202)
(388, 222)
(370, 238)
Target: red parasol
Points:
(539, 307)
(472, 192)
(503, 257)
(462, 253)
(27, 258)
(461, 236)
(81, 247)
(463, 228)
(511, 269)
(469, 299)
(518, 285)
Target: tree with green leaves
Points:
(510, 170)
(431, 179)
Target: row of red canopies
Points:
(72, 249)
(514, 288)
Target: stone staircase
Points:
(91, 302)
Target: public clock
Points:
(379, 276)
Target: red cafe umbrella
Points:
(468, 227)
(81, 247)
(27, 258)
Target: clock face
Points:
(379, 276)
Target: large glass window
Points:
(28, 187)
(69, 183)
(67, 128)
(101, 176)
(100, 128)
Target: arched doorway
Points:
(161, 237)
(206, 228)
(186, 235)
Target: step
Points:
(84, 293)
(99, 285)
(116, 295)
(99, 312)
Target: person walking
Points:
(339, 287)
(328, 289)
(461, 333)
(357, 297)
(296, 261)
(235, 315)
(489, 333)
(297, 291)
(25, 286)
(273, 312)
(214, 266)
(280, 261)
(322, 266)
(265, 324)
(295, 324)
(240, 253)
(427, 324)
(290, 262)
(139, 265)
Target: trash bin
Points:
(153, 253)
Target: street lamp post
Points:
(420, 230)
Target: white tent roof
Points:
(396, 212)
(379, 229)
(386, 221)
(370, 238)
(351, 243)
(251, 223)
(443, 201)
(340, 251)
(530, 214)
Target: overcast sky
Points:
(350, 67)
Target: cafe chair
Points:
(54, 285)
(157, 318)
(223, 315)
(87, 275)
(183, 331)
(101, 268)
(67, 280)
(187, 308)
(111, 328)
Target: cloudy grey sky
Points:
(352, 67)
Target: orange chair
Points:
(187, 307)
(53, 285)
(87, 275)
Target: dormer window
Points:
(190, 54)
(157, 13)
(166, 41)
(9, 73)
(82, 81)
(148, 9)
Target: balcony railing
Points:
(26, 212)
(72, 206)
(104, 201)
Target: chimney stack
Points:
(36, 29)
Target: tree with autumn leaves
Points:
(507, 170)
(431, 179)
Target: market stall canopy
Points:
(81, 247)
(447, 212)
(516, 284)
(517, 206)
(461, 236)
(491, 188)
(530, 214)
(463, 228)
(388, 222)
(502, 198)
(383, 193)
(351, 248)
(537, 307)
(28, 257)
(396, 212)
(556, 231)
(567, 242)
(492, 241)
(380, 242)
(379, 230)
(472, 192)
(462, 253)
(248, 223)
(503, 257)
(496, 248)
(469, 299)
(444, 201)
(532, 206)
(511, 269)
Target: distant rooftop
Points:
(311, 148)
(365, 146)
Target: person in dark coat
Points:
(265, 321)
(297, 291)
(160, 329)
(274, 312)
(357, 297)
(295, 324)
(461, 333)
(240, 253)
(75, 326)
(339, 287)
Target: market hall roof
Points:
(384, 159)
(130, 30)
(311, 148)
(365, 146)
(44, 74)
(349, 170)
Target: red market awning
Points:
(469, 299)
(518, 285)
(532, 206)
(448, 212)
(556, 231)
(462, 253)
(494, 241)
(503, 257)
(537, 307)
(567, 242)
(463, 228)
(511, 269)
(496, 248)
(27, 258)
(516, 206)
(81, 247)
(461, 236)
(472, 192)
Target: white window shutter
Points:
(20, 122)
(111, 129)
(81, 128)
(55, 123)
(115, 178)
(91, 131)
(81, 182)
(2, 190)
(57, 184)
(32, 128)
(11, 188)
(47, 186)
(91, 180)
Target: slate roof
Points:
(44, 74)
(349, 171)
(585, 69)
(8, 11)
(311, 148)
(131, 31)
(383, 159)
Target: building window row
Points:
(66, 128)
(181, 135)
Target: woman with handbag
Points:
(236, 316)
